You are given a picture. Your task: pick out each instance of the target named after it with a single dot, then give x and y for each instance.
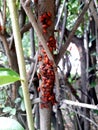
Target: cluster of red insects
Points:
(46, 70)
(45, 19)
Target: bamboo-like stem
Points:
(21, 62)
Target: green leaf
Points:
(91, 68)
(18, 100)
(20, 91)
(95, 111)
(94, 54)
(10, 110)
(92, 39)
(22, 106)
(8, 76)
(71, 114)
(7, 109)
(93, 84)
(13, 111)
(9, 124)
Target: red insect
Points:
(41, 18)
(38, 89)
(46, 60)
(44, 31)
(49, 14)
(45, 16)
(39, 58)
(49, 22)
(44, 26)
(43, 51)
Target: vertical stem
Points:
(32, 42)
(21, 62)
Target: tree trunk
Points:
(84, 84)
(46, 7)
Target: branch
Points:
(34, 69)
(73, 91)
(4, 15)
(58, 2)
(58, 21)
(63, 25)
(84, 105)
(24, 29)
(79, 20)
(6, 47)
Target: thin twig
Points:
(82, 116)
(69, 102)
(34, 70)
(79, 20)
(4, 14)
(58, 21)
(63, 25)
(73, 91)
(58, 2)
(24, 29)
(6, 47)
